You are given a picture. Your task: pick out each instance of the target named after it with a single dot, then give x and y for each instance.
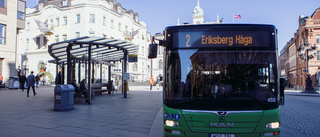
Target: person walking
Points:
(37, 80)
(151, 82)
(22, 81)
(30, 83)
(1, 79)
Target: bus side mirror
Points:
(282, 87)
(153, 51)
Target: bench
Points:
(99, 88)
(2, 86)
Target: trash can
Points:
(13, 82)
(63, 97)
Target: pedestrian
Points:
(58, 79)
(1, 79)
(22, 81)
(151, 82)
(37, 80)
(30, 83)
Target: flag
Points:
(42, 27)
(237, 16)
(135, 32)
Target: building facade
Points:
(12, 19)
(291, 65)
(52, 21)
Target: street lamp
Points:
(304, 55)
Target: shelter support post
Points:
(79, 71)
(92, 73)
(125, 81)
(109, 72)
(63, 73)
(73, 69)
(89, 73)
(69, 65)
(100, 73)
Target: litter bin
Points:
(13, 82)
(63, 97)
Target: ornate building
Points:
(198, 16)
(52, 21)
(12, 19)
(291, 65)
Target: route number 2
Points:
(188, 39)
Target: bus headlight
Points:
(273, 125)
(172, 123)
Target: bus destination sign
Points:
(223, 39)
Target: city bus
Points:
(221, 80)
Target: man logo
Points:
(222, 113)
(231, 125)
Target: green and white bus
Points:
(221, 80)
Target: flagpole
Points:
(233, 17)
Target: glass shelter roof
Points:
(103, 50)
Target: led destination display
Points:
(222, 39)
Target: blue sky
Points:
(284, 14)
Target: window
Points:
(51, 22)
(77, 34)
(38, 42)
(92, 18)
(104, 20)
(119, 26)
(65, 20)
(2, 3)
(138, 49)
(40, 6)
(112, 23)
(27, 44)
(64, 37)
(2, 34)
(64, 2)
(57, 38)
(318, 55)
(318, 39)
(135, 67)
(28, 26)
(46, 23)
(160, 64)
(78, 18)
(142, 50)
(119, 10)
(57, 21)
(21, 9)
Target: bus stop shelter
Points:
(89, 51)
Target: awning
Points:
(103, 50)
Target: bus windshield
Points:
(210, 79)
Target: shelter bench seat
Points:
(98, 88)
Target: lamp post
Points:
(304, 55)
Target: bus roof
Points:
(219, 25)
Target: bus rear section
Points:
(217, 84)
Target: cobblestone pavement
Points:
(300, 116)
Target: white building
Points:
(198, 16)
(69, 19)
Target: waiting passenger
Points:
(110, 87)
(83, 88)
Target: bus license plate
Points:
(221, 135)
